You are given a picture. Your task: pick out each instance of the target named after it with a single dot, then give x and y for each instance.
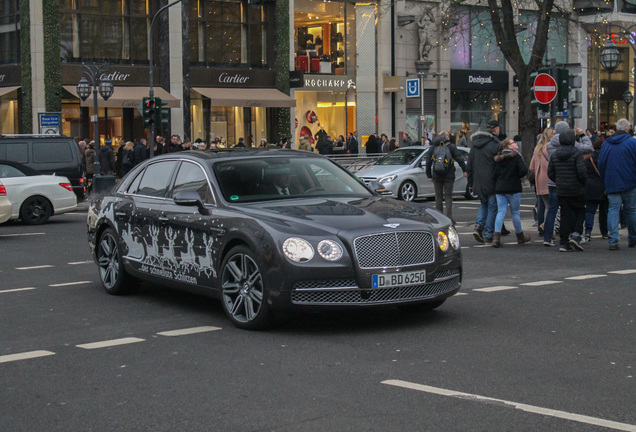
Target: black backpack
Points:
(442, 160)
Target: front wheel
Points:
(111, 270)
(36, 210)
(408, 191)
(244, 296)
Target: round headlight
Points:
(453, 238)
(329, 250)
(442, 241)
(297, 249)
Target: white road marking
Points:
(21, 235)
(34, 267)
(523, 407)
(80, 262)
(189, 331)
(584, 277)
(495, 288)
(70, 283)
(16, 290)
(623, 272)
(541, 283)
(110, 343)
(460, 294)
(25, 356)
(466, 208)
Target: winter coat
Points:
(457, 157)
(617, 163)
(539, 164)
(584, 147)
(90, 161)
(374, 145)
(352, 146)
(140, 154)
(325, 147)
(304, 144)
(567, 170)
(509, 170)
(106, 160)
(127, 161)
(481, 163)
(594, 188)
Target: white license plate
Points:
(398, 279)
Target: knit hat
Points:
(561, 127)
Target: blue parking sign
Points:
(412, 87)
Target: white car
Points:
(5, 204)
(35, 197)
(403, 173)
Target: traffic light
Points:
(162, 114)
(563, 84)
(576, 96)
(149, 111)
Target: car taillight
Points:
(67, 186)
(3, 190)
(82, 180)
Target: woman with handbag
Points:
(539, 165)
(595, 196)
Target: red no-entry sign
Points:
(545, 88)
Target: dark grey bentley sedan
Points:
(270, 230)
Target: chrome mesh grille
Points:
(332, 292)
(394, 249)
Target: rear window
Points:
(15, 151)
(52, 152)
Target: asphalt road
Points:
(536, 340)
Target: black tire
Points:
(114, 278)
(408, 191)
(36, 210)
(244, 295)
(469, 195)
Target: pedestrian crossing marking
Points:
(541, 283)
(584, 277)
(495, 288)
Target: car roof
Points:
(239, 153)
(25, 169)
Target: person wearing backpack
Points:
(440, 169)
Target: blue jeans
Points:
(553, 207)
(628, 200)
(487, 213)
(590, 212)
(514, 200)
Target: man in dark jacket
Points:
(595, 196)
(617, 164)
(107, 158)
(140, 153)
(567, 170)
(352, 144)
(444, 182)
(481, 178)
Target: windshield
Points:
(249, 180)
(401, 157)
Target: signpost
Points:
(50, 123)
(545, 88)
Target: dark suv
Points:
(48, 154)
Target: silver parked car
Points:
(403, 173)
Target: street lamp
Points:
(628, 97)
(610, 56)
(95, 76)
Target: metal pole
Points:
(151, 75)
(97, 166)
(422, 118)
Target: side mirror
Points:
(191, 198)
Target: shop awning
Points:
(5, 90)
(253, 97)
(126, 97)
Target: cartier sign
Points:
(233, 78)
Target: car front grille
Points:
(394, 249)
(334, 292)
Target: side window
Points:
(17, 152)
(7, 171)
(192, 177)
(154, 180)
(52, 152)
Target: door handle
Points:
(163, 219)
(121, 215)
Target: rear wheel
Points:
(408, 191)
(36, 210)
(244, 295)
(114, 278)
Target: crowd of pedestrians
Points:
(573, 179)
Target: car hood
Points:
(378, 171)
(335, 215)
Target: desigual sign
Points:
(479, 80)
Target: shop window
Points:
(228, 32)
(319, 37)
(9, 33)
(471, 110)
